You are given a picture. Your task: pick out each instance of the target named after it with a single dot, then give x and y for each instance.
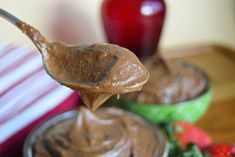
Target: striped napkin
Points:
(28, 96)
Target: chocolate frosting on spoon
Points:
(97, 71)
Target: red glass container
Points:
(134, 24)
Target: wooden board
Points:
(219, 63)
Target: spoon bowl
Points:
(97, 71)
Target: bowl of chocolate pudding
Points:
(97, 71)
(180, 92)
(108, 132)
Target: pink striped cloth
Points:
(28, 96)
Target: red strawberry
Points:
(221, 150)
(190, 133)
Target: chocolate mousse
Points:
(166, 85)
(109, 132)
(97, 71)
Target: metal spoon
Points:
(97, 71)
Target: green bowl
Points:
(190, 110)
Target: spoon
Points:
(97, 71)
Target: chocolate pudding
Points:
(180, 83)
(97, 71)
(109, 132)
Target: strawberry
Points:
(220, 150)
(190, 133)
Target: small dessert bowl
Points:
(28, 150)
(189, 110)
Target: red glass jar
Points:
(134, 24)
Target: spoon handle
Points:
(38, 40)
(9, 17)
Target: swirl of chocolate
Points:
(167, 87)
(107, 133)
